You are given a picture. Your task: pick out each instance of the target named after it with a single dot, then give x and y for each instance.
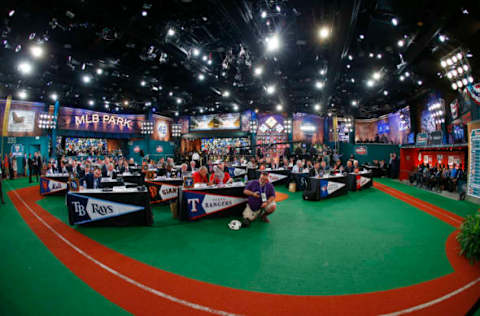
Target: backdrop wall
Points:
(373, 152)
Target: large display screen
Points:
(161, 128)
(86, 120)
(392, 128)
(307, 127)
(21, 121)
(229, 121)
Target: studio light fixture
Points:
(324, 32)
(270, 89)
(272, 43)
(456, 68)
(22, 94)
(25, 68)
(36, 51)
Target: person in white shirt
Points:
(298, 168)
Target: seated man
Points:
(452, 179)
(183, 172)
(316, 171)
(338, 166)
(298, 168)
(349, 167)
(261, 199)
(91, 180)
(356, 167)
(110, 172)
(220, 176)
(200, 176)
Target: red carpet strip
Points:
(142, 289)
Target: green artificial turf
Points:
(32, 280)
(363, 242)
(462, 208)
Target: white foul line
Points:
(435, 301)
(122, 276)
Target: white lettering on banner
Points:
(364, 180)
(334, 186)
(194, 203)
(97, 208)
(79, 209)
(107, 119)
(213, 203)
(54, 186)
(168, 191)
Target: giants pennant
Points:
(361, 181)
(87, 209)
(328, 187)
(201, 204)
(161, 192)
(49, 186)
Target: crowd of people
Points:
(439, 177)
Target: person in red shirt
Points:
(200, 176)
(220, 176)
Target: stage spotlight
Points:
(370, 83)
(317, 107)
(400, 43)
(196, 52)
(272, 43)
(319, 85)
(36, 51)
(54, 96)
(407, 74)
(99, 71)
(226, 94)
(419, 82)
(454, 86)
(201, 77)
(470, 79)
(379, 56)
(125, 102)
(235, 107)
(376, 75)
(385, 92)
(25, 67)
(354, 103)
(22, 94)
(263, 14)
(402, 78)
(394, 21)
(86, 78)
(324, 32)
(91, 102)
(270, 89)
(144, 13)
(279, 107)
(443, 64)
(143, 83)
(442, 38)
(209, 62)
(179, 100)
(171, 32)
(258, 71)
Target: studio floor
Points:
(389, 249)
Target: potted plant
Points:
(469, 238)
